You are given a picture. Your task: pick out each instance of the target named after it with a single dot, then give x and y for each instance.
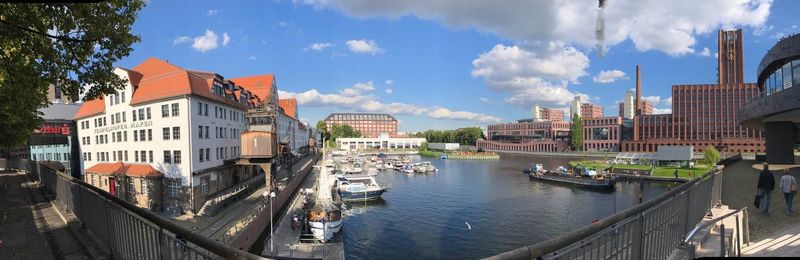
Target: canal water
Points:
(475, 209)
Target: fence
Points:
(126, 231)
(651, 230)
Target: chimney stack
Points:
(638, 105)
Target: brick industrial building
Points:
(370, 125)
(589, 110)
(703, 114)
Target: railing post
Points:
(638, 238)
(688, 209)
(738, 240)
(722, 240)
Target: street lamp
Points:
(271, 225)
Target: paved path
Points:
(30, 227)
(781, 244)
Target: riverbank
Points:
(597, 155)
(665, 172)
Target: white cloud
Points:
(444, 113)
(363, 103)
(653, 99)
(225, 39)
(389, 82)
(364, 46)
(761, 30)
(212, 12)
(205, 42)
(251, 57)
(667, 101)
(358, 88)
(608, 76)
(658, 111)
(667, 26)
(486, 100)
(540, 76)
(716, 55)
(318, 46)
(705, 53)
(181, 39)
(388, 91)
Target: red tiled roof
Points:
(91, 107)
(119, 168)
(163, 80)
(289, 106)
(259, 85)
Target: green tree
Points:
(69, 45)
(576, 133)
(323, 129)
(711, 155)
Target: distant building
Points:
(55, 95)
(703, 114)
(57, 139)
(527, 135)
(444, 146)
(602, 134)
(381, 142)
(589, 110)
(575, 107)
(545, 114)
(626, 109)
(370, 125)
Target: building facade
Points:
(184, 124)
(527, 135)
(589, 110)
(370, 125)
(704, 114)
(776, 111)
(57, 139)
(381, 142)
(550, 114)
(602, 134)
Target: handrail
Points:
(701, 225)
(180, 232)
(556, 243)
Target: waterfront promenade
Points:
(31, 227)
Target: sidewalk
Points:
(30, 227)
(781, 244)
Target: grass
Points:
(683, 172)
(429, 153)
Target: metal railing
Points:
(650, 230)
(728, 247)
(124, 230)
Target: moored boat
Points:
(561, 175)
(358, 187)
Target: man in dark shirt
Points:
(766, 183)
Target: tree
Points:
(711, 155)
(576, 133)
(323, 130)
(69, 45)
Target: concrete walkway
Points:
(30, 227)
(781, 244)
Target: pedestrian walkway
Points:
(785, 243)
(286, 241)
(30, 227)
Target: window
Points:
(143, 184)
(167, 157)
(151, 156)
(174, 109)
(176, 133)
(148, 113)
(199, 109)
(141, 135)
(208, 154)
(205, 109)
(136, 156)
(176, 156)
(166, 133)
(200, 134)
(141, 114)
(206, 134)
(116, 99)
(173, 187)
(125, 136)
(144, 156)
(201, 155)
(123, 116)
(126, 156)
(164, 110)
(133, 114)
(122, 95)
(149, 134)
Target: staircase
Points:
(221, 199)
(709, 241)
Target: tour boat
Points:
(595, 182)
(358, 188)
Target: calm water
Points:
(423, 216)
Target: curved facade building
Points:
(777, 110)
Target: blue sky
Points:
(450, 64)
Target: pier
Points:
(287, 242)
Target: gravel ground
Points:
(738, 190)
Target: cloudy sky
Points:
(454, 63)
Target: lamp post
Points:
(271, 225)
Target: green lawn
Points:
(698, 170)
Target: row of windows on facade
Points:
(115, 99)
(50, 156)
(219, 132)
(139, 156)
(361, 117)
(782, 78)
(220, 112)
(221, 153)
(96, 180)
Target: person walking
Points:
(766, 183)
(789, 188)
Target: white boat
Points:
(324, 218)
(425, 167)
(408, 168)
(358, 187)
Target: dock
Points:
(287, 242)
